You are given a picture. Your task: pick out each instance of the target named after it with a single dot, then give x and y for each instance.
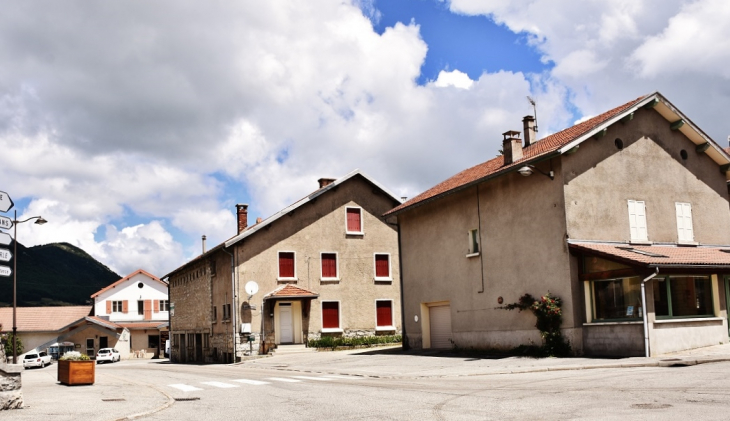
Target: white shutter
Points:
(684, 222)
(637, 220)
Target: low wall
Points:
(11, 393)
(613, 339)
(682, 334)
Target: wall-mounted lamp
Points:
(527, 171)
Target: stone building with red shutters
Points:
(325, 265)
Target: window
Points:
(329, 266)
(116, 306)
(384, 315)
(164, 305)
(637, 220)
(215, 314)
(287, 265)
(226, 312)
(140, 307)
(330, 315)
(685, 233)
(382, 267)
(473, 242)
(683, 296)
(616, 299)
(153, 341)
(354, 220)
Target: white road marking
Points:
(184, 387)
(285, 380)
(220, 384)
(321, 379)
(336, 376)
(252, 382)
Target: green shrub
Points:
(333, 342)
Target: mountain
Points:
(54, 274)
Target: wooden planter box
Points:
(76, 372)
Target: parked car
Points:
(36, 359)
(108, 354)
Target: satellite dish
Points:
(251, 287)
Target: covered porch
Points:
(287, 308)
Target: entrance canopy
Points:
(289, 292)
(658, 256)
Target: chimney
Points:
(325, 182)
(511, 147)
(242, 214)
(528, 124)
(203, 243)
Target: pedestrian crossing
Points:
(234, 383)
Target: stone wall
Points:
(11, 393)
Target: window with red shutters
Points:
(382, 266)
(384, 313)
(329, 265)
(330, 315)
(354, 220)
(286, 264)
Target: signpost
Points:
(5, 223)
(6, 203)
(5, 239)
(5, 271)
(5, 255)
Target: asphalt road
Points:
(185, 392)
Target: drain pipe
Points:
(645, 316)
(234, 310)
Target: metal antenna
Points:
(534, 109)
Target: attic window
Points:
(683, 154)
(619, 143)
(140, 285)
(642, 252)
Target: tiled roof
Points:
(540, 148)
(138, 271)
(291, 291)
(142, 325)
(658, 255)
(105, 323)
(42, 319)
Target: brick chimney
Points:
(511, 147)
(242, 214)
(325, 182)
(530, 134)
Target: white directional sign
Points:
(5, 223)
(6, 203)
(5, 255)
(5, 271)
(5, 239)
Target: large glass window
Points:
(615, 299)
(683, 296)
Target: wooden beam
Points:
(651, 104)
(703, 147)
(677, 124)
(600, 134)
(627, 118)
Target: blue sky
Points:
(138, 131)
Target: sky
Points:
(136, 127)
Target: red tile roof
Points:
(291, 291)
(658, 255)
(105, 323)
(114, 285)
(542, 147)
(42, 319)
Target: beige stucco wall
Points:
(523, 251)
(31, 340)
(320, 227)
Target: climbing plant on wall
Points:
(547, 309)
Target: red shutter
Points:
(331, 315)
(156, 306)
(147, 309)
(286, 265)
(384, 313)
(382, 266)
(125, 306)
(354, 223)
(329, 265)
(108, 307)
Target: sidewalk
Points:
(391, 362)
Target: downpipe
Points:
(645, 316)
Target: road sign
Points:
(5, 239)
(5, 223)
(5, 255)
(6, 203)
(5, 271)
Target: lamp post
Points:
(39, 221)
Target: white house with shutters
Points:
(139, 303)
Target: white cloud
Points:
(454, 78)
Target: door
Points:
(286, 329)
(90, 347)
(103, 342)
(440, 326)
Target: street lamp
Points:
(39, 221)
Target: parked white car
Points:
(36, 359)
(108, 354)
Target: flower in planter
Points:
(74, 356)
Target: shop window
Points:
(617, 299)
(683, 296)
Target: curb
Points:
(170, 400)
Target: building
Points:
(325, 265)
(138, 302)
(622, 216)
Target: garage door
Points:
(440, 321)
